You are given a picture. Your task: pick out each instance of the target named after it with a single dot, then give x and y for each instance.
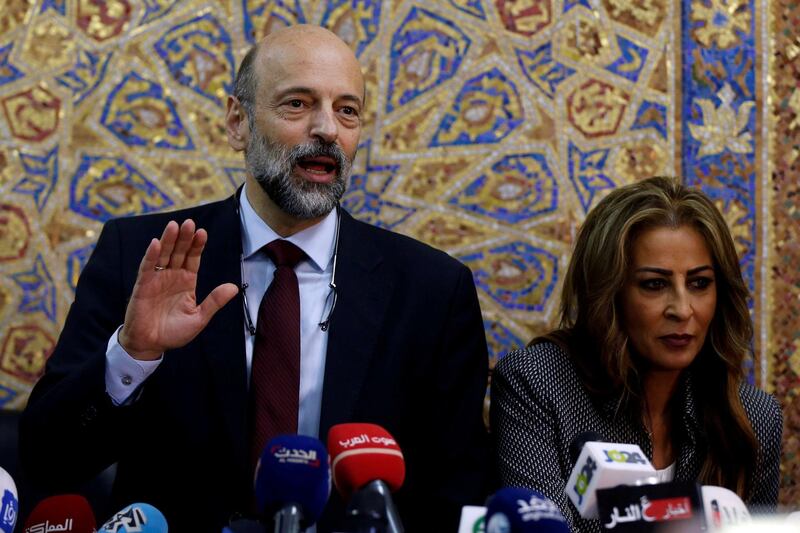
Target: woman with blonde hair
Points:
(653, 336)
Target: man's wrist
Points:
(140, 355)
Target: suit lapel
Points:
(222, 341)
(364, 287)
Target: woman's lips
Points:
(676, 340)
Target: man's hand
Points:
(162, 313)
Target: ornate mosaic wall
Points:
(493, 127)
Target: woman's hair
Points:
(591, 321)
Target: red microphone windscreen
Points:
(69, 513)
(361, 453)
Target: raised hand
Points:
(163, 313)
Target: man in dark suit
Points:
(146, 377)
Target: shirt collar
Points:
(316, 241)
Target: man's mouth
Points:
(321, 166)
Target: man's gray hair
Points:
(244, 88)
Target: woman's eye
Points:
(701, 283)
(653, 284)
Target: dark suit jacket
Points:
(406, 350)
(539, 406)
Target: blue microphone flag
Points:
(137, 517)
(519, 510)
(293, 470)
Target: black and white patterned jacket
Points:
(539, 405)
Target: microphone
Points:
(137, 517)
(66, 512)
(292, 482)
(520, 510)
(473, 519)
(676, 505)
(366, 513)
(9, 502)
(602, 465)
(244, 525)
(576, 446)
(366, 458)
(723, 508)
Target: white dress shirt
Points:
(125, 374)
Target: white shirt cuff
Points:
(124, 374)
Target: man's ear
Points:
(236, 125)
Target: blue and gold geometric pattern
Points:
(355, 21)
(88, 72)
(260, 16)
(38, 290)
(631, 61)
(107, 187)
(486, 110)
(103, 22)
(525, 18)
(587, 174)
(139, 113)
(41, 175)
(59, 6)
(500, 339)
(651, 115)
(155, 9)
(15, 236)
(516, 189)
(518, 276)
(24, 351)
(364, 194)
(490, 128)
(198, 55)
(473, 7)
(6, 395)
(426, 51)
(8, 72)
(542, 70)
(76, 260)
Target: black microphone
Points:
(366, 513)
(576, 446)
(244, 525)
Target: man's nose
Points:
(323, 125)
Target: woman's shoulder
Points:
(537, 357)
(762, 408)
(543, 362)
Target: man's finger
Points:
(150, 258)
(216, 299)
(168, 242)
(185, 238)
(192, 263)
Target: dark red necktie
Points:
(275, 375)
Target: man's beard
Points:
(272, 165)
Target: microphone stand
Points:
(394, 525)
(288, 519)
